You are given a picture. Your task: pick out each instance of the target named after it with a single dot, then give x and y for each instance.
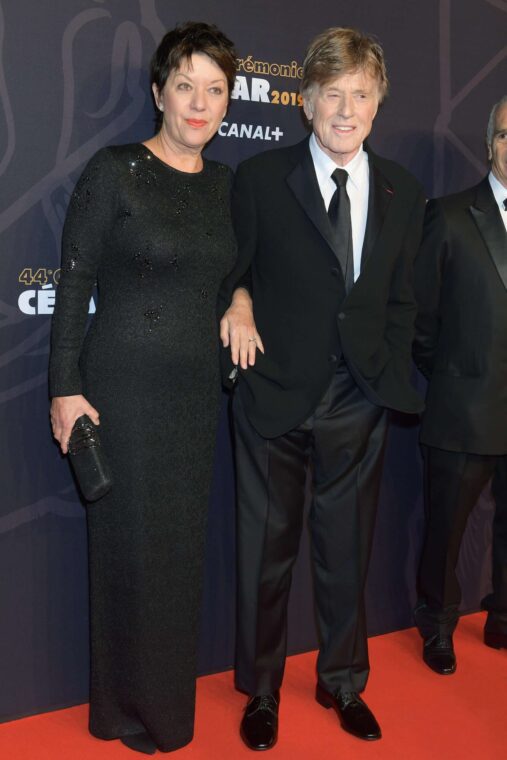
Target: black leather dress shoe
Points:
(495, 640)
(355, 716)
(438, 654)
(259, 727)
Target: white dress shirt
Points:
(500, 193)
(358, 184)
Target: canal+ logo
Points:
(251, 87)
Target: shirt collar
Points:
(325, 166)
(499, 191)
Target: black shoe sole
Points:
(438, 671)
(494, 640)
(254, 747)
(327, 700)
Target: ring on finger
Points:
(252, 340)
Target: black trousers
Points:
(453, 483)
(344, 439)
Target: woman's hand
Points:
(237, 330)
(64, 412)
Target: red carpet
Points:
(423, 716)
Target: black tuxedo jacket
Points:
(287, 259)
(461, 327)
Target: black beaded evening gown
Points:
(158, 242)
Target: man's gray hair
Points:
(492, 118)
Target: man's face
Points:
(342, 113)
(497, 151)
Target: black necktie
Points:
(505, 204)
(339, 216)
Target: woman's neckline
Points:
(173, 168)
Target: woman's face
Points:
(193, 102)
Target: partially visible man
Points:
(327, 232)
(461, 347)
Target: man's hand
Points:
(237, 330)
(64, 412)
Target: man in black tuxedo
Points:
(461, 347)
(327, 232)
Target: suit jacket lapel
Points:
(487, 218)
(302, 180)
(379, 197)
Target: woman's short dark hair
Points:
(183, 41)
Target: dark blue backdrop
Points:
(73, 78)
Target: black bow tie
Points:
(505, 204)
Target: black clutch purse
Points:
(88, 460)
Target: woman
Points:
(150, 223)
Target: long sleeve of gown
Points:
(88, 225)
